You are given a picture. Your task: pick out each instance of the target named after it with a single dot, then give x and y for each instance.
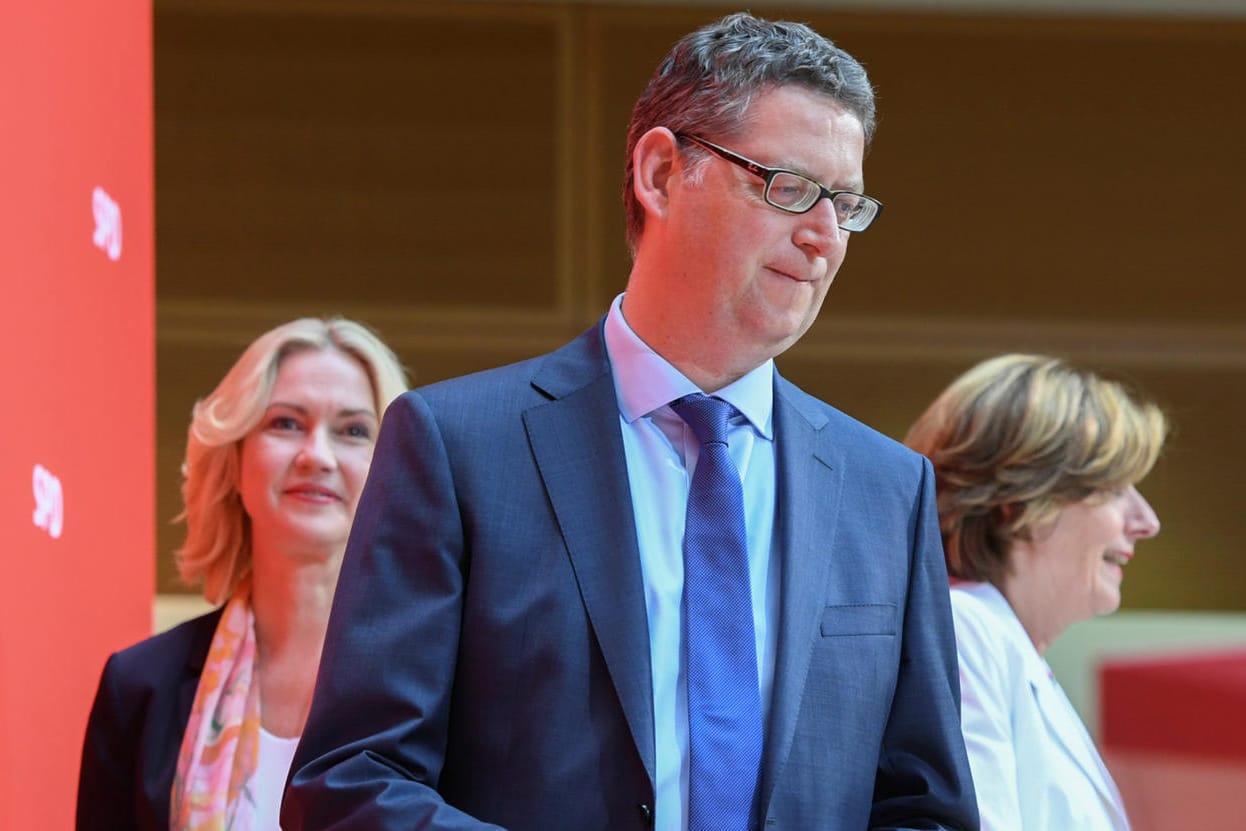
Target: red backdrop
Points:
(77, 369)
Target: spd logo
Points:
(49, 502)
(107, 236)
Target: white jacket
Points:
(1035, 768)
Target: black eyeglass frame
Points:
(768, 174)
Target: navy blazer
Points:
(487, 658)
(134, 732)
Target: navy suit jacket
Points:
(487, 659)
(134, 732)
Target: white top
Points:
(269, 781)
(1035, 768)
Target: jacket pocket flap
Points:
(859, 619)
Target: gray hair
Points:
(707, 81)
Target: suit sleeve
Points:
(987, 719)
(375, 741)
(106, 776)
(923, 778)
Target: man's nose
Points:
(819, 230)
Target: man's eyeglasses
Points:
(797, 194)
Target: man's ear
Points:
(654, 160)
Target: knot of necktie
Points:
(707, 416)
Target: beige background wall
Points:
(449, 173)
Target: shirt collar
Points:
(644, 381)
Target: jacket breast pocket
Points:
(858, 619)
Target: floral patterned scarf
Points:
(220, 748)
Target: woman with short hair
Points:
(1036, 466)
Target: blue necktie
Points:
(724, 704)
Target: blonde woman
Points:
(1036, 466)
(195, 727)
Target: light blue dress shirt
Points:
(661, 453)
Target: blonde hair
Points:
(217, 550)
(1017, 438)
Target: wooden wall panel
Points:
(1054, 170)
(352, 158)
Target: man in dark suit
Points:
(508, 645)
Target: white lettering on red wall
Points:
(107, 236)
(49, 502)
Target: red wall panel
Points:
(77, 370)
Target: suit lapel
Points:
(579, 452)
(1066, 728)
(807, 500)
